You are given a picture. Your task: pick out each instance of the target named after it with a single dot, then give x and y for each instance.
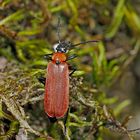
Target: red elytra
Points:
(56, 99)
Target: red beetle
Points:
(56, 100)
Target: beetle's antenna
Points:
(85, 42)
(58, 30)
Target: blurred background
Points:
(105, 89)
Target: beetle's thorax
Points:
(59, 57)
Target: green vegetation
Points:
(28, 30)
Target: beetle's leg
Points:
(48, 56)
(71, 57)
(65, 121)
(73, 68)
(42, 80)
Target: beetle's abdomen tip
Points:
(52, 119)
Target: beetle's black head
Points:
(63, 47)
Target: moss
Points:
(28, 30)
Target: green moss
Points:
(28, 30)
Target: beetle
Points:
(56, 98)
